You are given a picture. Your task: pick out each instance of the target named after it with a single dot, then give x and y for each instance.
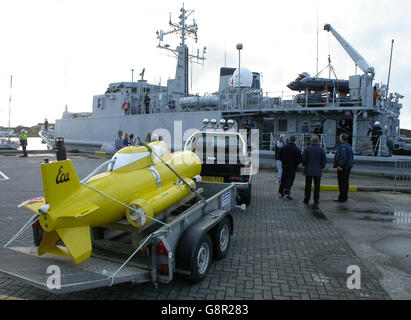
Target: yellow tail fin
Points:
(77, 242)
(59, 181)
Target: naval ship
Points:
(323, 106)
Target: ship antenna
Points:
(317, 37)
(11, 85)
(183, 29)
(65, 81)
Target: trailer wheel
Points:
(222, 239)
(202, 258)
(37, 233)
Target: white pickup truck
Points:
(225, 157)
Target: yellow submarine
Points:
(137, 185)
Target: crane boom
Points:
(355, 56)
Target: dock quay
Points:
(279, 249)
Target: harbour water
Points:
(34, 143)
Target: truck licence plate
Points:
(213, 179)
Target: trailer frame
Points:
(107, 265)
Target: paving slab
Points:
(279, 250)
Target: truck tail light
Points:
(161, 249)
(163, 269)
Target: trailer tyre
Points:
(222, 238)
(202, 258)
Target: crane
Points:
(355, 56)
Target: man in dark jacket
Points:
(344, 161)
(290, 157)
(314, 161)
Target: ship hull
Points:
(97, 133)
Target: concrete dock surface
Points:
(279, 249)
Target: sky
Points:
(62, 52)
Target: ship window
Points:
(133, 90)
(282, 125)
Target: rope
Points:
(23, 229)
(129, 258)
(173, 171)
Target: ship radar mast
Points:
(184, 30)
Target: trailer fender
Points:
(190, 238)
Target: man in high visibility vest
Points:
(23, 142)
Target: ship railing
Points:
(289, 99)
(402, 174)
(362, 144)
(365, 147)
(305, 140)
(377, 148)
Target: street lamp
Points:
(239, 47)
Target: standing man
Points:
(314, 161)
(279, 144)
(23, 142)
(119, 140)
(290, 157)
(343, 161)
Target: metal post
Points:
(379, 146)
(389, 71)
(239, 47)
(395, 176)
(11, 85)
(239, 77)
(354, 131)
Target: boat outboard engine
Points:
(295, 85)
(60, 149)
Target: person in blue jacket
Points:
(314, 160)
(343, 161)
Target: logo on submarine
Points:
(62, 177)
